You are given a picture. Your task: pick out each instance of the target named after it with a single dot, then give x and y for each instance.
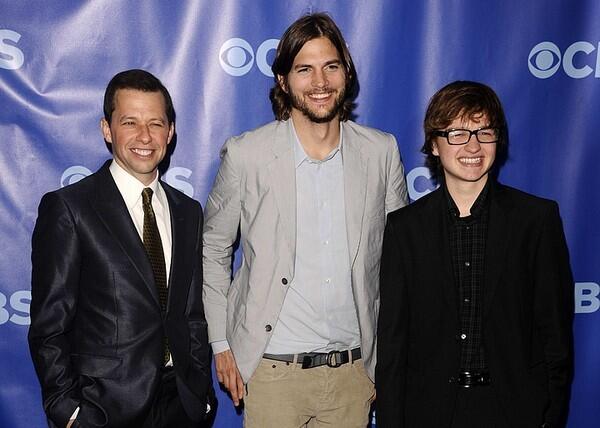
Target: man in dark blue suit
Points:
(118, 335)
(476, 290)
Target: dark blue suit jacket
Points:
(96, 327)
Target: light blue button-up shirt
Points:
(318, 313)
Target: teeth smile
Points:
(319, 96)
(142, 152)
(470, 160)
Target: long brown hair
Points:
(307, 28)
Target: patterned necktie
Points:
(154, 249)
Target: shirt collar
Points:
(478, 206)
(300, 155)
(130, 187)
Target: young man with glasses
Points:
(476, 290)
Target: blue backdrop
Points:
(56, 57)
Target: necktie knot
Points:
(147, 196)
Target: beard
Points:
(321, 116)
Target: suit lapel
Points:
(497, 243)
(181, 247)
(283, 180)
(355, 185)
(113, 212)
(437, 228)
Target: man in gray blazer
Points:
(294, 333)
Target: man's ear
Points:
(434, 148)
(282, 83)
(171, 132)
(105, 128)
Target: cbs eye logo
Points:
(545, 59)
(237, 56)
(73, 174)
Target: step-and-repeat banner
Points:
(56, 57)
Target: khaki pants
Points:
(283, 395)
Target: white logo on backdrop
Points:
(587, 297)
(15, 309)
(418, 182)
(73, 174)
(11, 57)
(237, 56)
(546, 58)
(174, 176)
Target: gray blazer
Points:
(255, 191)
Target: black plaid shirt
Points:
(467, 248)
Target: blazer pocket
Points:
(97, 365)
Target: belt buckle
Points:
(334, 359)
(471, 379)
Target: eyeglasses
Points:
(456, 137)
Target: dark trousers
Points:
(167, 410)
(477, 407)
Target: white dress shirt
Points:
(131, 191)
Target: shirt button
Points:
(326, 242)
(284, 281)
(327, 281)
(268, 328)
(467, 264)
(467, 300)
(463, 336)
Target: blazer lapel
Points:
(113, 212)
(355, 186)
(283, 181)
(181, 247)
(497, 243)
(437, 229)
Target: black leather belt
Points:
(315, 359)
(470, 379)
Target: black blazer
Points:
(527, 313)
(96, 325)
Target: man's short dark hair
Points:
(139, 80)
(305, 29)
(466, 100)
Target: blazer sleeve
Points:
(55, 261)
(554, 313)
(396, 195)
(392, 331)
(221, 223)
(201, 380)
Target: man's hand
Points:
(229, 375)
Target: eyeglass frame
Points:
(441, 133)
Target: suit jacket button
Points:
(268, 328)
(284, 281)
